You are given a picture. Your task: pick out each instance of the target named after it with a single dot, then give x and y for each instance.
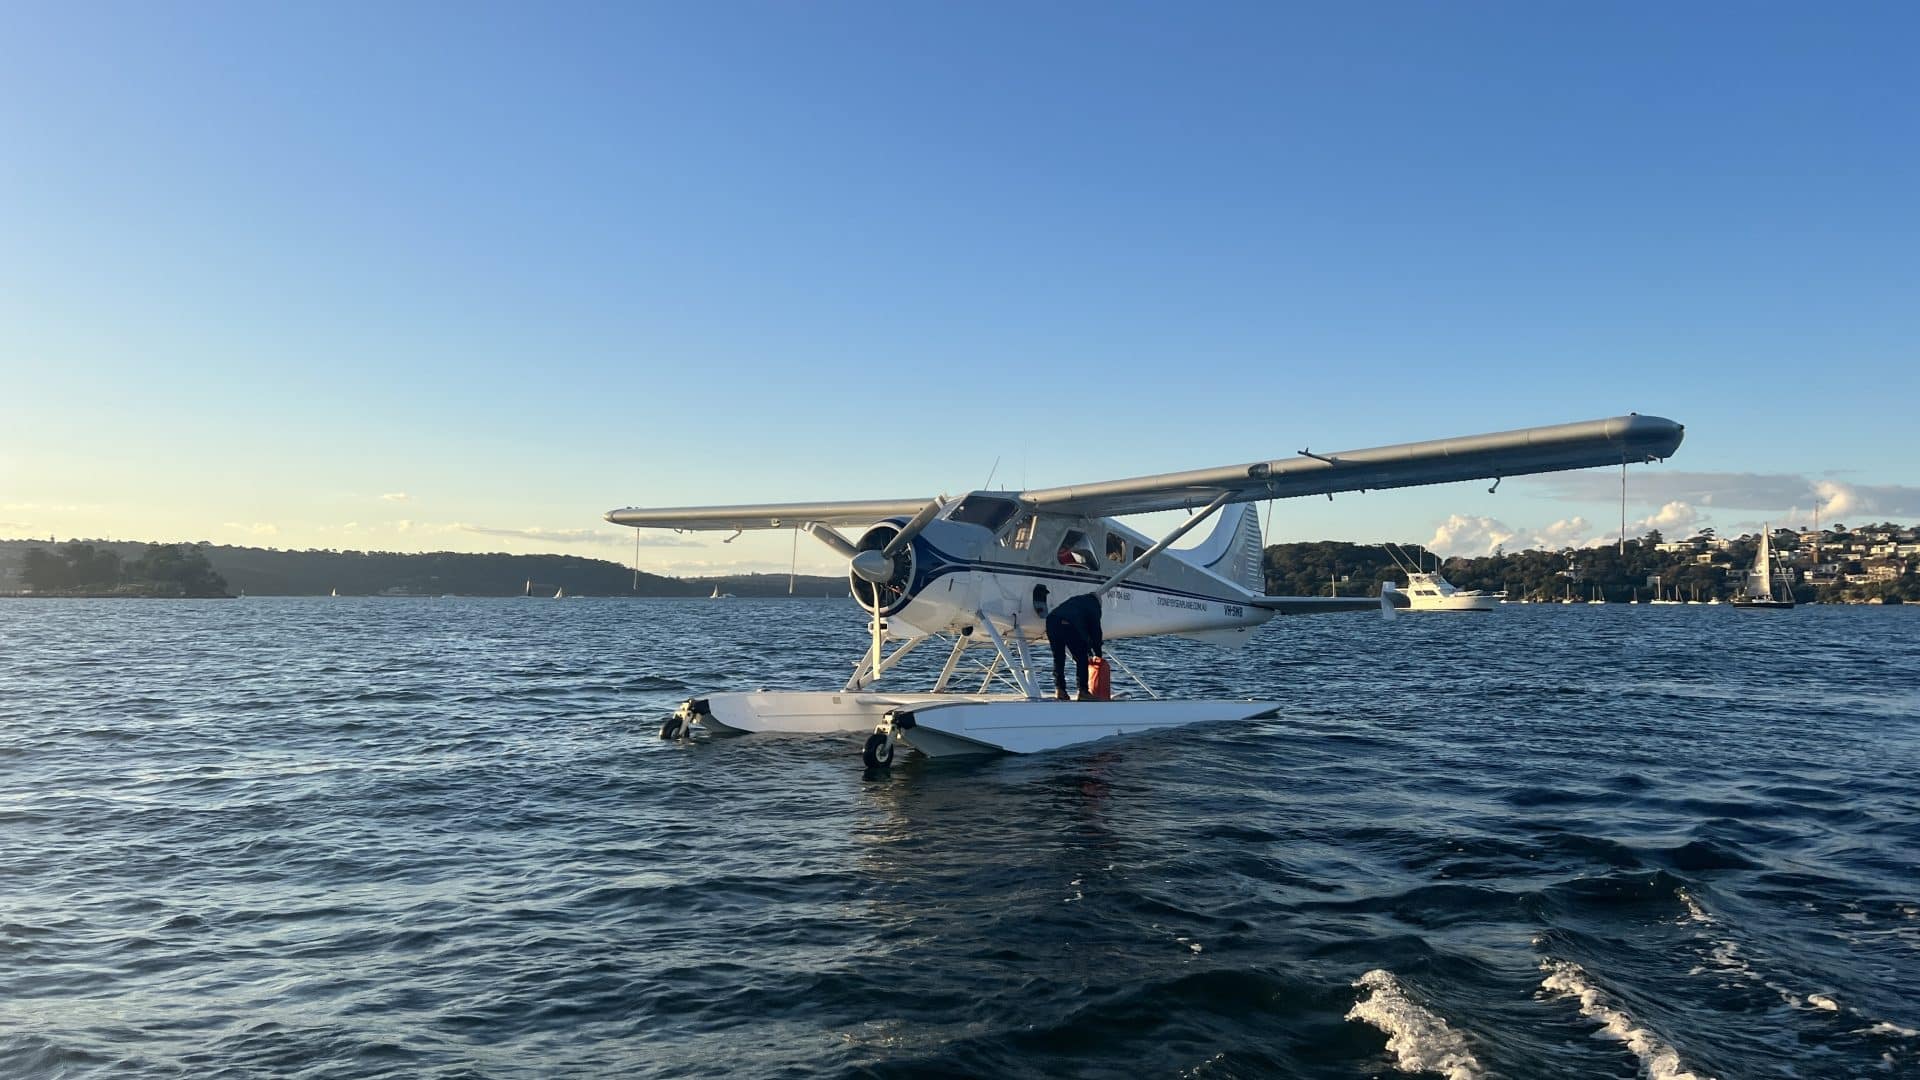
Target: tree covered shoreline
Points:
(1642, 571)
(76, 568)
(122, 569)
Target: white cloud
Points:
(1864, 503)
(1783, 492)
(1675, 517)
(1464, 535)
(396, 496)
(1839, 502)
(258, 528)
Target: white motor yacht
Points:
(1431, 592)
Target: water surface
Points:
(440, 838)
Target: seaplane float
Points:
(977, 573)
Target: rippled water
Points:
(440, 838)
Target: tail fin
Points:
(1233, 550)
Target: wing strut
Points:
(1184, 527)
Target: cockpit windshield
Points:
(987, 511)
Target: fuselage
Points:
(983, 559)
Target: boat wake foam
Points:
(1661, 1061)
(1727, 958)
(1420, 1040)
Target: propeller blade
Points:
(913, 528)
(826, 535)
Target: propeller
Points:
(878, 566)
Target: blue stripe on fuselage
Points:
(941, 564)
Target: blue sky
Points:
(419, 277)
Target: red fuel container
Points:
(1100, 675)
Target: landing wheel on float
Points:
(879, 750)
(674, 727)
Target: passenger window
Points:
(1116, 548)
(1076, 551)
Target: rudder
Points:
(1234, 550)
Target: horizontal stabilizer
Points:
(1235, 637)
(1315, 605)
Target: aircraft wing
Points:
(766, 515)
(1557, 448)
(1631, 438)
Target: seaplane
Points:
(977, 573)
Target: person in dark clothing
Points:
(1074, 627)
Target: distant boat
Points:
(335, 592)
(1760, 593)
(1430, 592)
(560, 592)
(718, 595)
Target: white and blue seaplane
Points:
(969, 572)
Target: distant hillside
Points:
(1875, 564)
(264, 572)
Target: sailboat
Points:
(1760, 592)
(335, 592)
(560, 592)
(718, 595)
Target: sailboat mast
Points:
(1766, 562)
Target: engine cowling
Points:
(889, 594)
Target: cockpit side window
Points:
(985, 511)
(1021, 538)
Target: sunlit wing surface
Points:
(1587, 444)
(766, 515)
(1583, 445)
